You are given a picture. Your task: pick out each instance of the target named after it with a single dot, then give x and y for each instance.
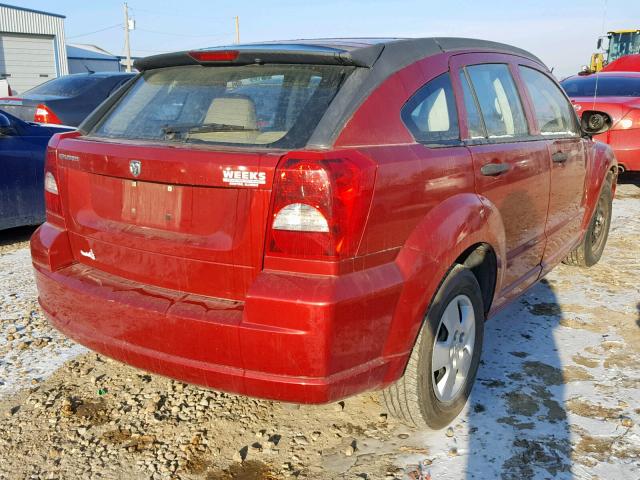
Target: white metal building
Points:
(32, 47)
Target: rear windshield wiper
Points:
(204, 128)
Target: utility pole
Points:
(237, 29)
(127, 48)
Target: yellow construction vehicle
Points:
(621, 43)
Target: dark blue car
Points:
(22, 153)
(65, 100)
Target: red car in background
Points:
(618, 94)
(307, 220)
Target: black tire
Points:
(590, 249)
(412, 398)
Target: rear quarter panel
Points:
(424, 207)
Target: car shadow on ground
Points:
(630, 178)
(16, 235)
(518, 425)
(515, 423)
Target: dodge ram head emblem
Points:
(135, 167)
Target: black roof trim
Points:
(450, 44)
(280, 52)
(396, 55)
(359, 52)
(32, 10)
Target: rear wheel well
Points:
(481, 260)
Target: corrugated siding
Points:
(21, 21)
(27, 59)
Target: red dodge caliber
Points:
(307, 220)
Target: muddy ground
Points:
(557, 396)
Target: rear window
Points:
(606, 86)
(268, 105)
(69, 86)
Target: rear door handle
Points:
(559, 157)
(494, 169)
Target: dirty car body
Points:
(293, 256)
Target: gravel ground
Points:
(557, 397)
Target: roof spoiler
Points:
(259, 54)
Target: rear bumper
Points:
(303, 339)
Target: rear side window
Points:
(430, 115)
(553, 112)
(267, 105)
(68, 86)
(499, 101)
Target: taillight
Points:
(53, 206)
(320, 205)
(53, 203)
(50, 184)
(45, 115)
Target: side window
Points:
(553, 112)
(430, 115)
(499, 101)
(474, 119)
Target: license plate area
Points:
(154, 205)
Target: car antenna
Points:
(595, 90)
(89, 71)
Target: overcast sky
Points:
(561, 33)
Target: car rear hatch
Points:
(175, 222)
(172, 187)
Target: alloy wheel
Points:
(453, 349)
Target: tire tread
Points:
(402, 398)
(578, 256)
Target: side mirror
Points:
(594, 122)
(6, 127)
(599, 44)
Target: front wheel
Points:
(445, 358)
(589, 251)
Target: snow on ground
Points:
(558, 391)
(557, 396)
(30, 350)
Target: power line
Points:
(96, 31)
(223, 34)
(152, 51)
